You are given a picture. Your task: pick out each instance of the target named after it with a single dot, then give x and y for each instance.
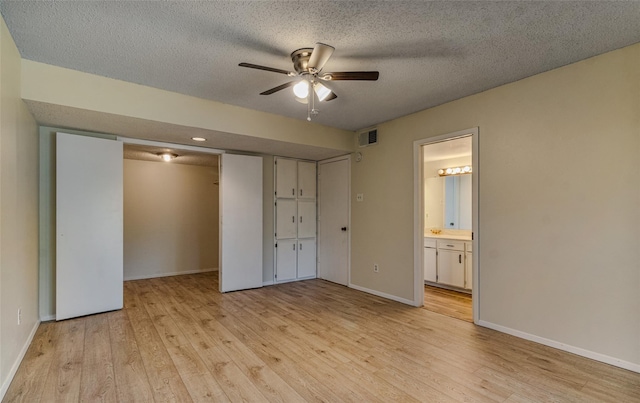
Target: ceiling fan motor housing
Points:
(300, 59)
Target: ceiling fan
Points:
(308, 64)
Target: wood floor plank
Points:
(97, 383)
(132, 383)
(237, 386)
(63, 381)
(35, 365)
(197, 378)
(179, 339)
(166, 384)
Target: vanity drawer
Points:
(451, 245)
(429, 243)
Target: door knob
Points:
(344, 228)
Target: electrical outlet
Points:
(360, 197)
(376, 268)
(19, 316)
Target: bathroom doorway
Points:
(446, 203)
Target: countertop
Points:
(457, 237)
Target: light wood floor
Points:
(178, 339)
(447, 302)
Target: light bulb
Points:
(321, 91)
(301, 90)
(166, 157)
(456, 170)
(440, 171)
(449, 171)
(467, 168)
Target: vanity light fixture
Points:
(167, 156)
(198, 139)
(455, 170)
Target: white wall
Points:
(559, 222)
(170, 219)
(18, 215)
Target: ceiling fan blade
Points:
(331, 97)
(278, 88)
(351, 75)
(265, 68)
(321, 53)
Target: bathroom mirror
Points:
(448, 202)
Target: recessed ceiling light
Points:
(198, 139)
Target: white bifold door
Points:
(89, 223)
(240, 222)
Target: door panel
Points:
(306, 258)
(451, 267)
(430, 264)
(306, 219)
(333, 217)
(286, 219)
(89, 223)
(240, 222)
(286, 260)
(286, 178)
(306, 180)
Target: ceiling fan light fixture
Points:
(321, 91)
(301, 90)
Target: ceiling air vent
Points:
(368, 138)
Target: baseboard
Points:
(175, 273)
(16, 364)
(564, 347)
(266, 283)
(382, 294)
(47, 318)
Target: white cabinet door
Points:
(468, 270)
(430, 273)
(306, 180)
(306, 258)
(286, 178)
(286, 219)
(89, 222)
(451, 267)
(306, 219)
(286, 260)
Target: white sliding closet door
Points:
(88, 225)
(240, 222)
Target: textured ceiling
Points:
(428, 53)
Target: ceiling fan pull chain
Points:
(309, 97)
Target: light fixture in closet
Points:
(167, 156)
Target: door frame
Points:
(418, 214)
(346, 157)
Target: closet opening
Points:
(171, 212)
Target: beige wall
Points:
(170, 219)
(18, 214)
(559, 219)
(49, 84)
